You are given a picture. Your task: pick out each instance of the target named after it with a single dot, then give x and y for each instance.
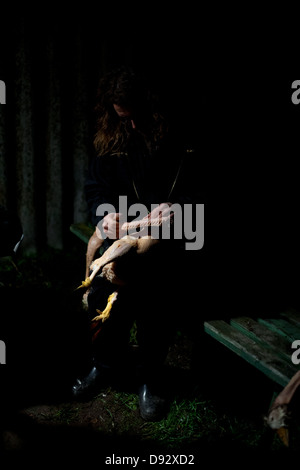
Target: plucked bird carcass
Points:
(279, 413)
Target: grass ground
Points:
(217, 402)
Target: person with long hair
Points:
(140, 156)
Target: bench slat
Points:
(271, 364)
(292, 317)
(263, 335)
(282, 327)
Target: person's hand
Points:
(111, 226)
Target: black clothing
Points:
(163, 174)
(143, 176)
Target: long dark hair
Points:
(126, 88)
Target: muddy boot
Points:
(91, 384)
(152, 406)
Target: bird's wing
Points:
(116, 250)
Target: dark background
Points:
(51, 63)
(226, 77)
(226, 81)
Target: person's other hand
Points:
(111, 225)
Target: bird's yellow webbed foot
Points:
(85, 283)
(106, 312)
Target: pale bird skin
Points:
(116, 250)
(277, 417)
(277, 420)
(279, 414)
(108, 262)
(95, 241)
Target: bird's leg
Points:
(116, 250)
(106, 312)
(96, 266)
(95, 242)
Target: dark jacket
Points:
(167, 174)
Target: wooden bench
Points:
(266, 343)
